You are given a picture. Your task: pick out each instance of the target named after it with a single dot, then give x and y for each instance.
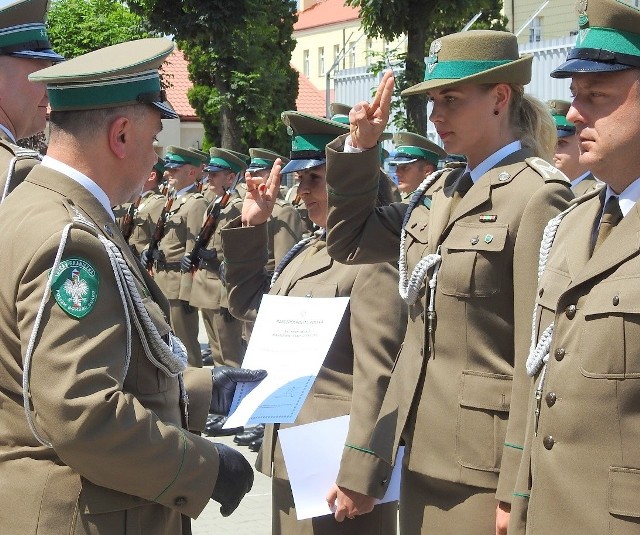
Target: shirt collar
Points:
(493, 160)
(81, 179)
(184, 190)
(628, 198)
(9, 133)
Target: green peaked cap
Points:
(226, 159)
(559, 110)
(264, 159)
(118, 75)
(474, 57)
(411, 147)
(177, 156)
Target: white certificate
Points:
(311, 481)
(290, 340)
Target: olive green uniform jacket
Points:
(145, 220)
(451, 394)
(354, 373)
(586, 185)
(584, 461)
(24, 161)
(122, 460)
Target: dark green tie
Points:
(611, 216)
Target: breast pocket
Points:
(473, 260)
(305, 288)
(175, 230)
(610, 336)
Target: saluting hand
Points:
(261, 196)
(368, 121)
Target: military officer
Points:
(183, 223)
(567, 153)
(581, 455)
(97, 403)
(416, 158)
(359, 360)
(24, 48)
(465, 244)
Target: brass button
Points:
(560, 353)
(570, 311)
(550, 399)
(540, 292)
(180, 501)
(548, 442)
(616, 300)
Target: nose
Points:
(434, 116)
(304, 184)
(574, 115)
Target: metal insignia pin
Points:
(488, 238)
(435, 47)
(108, 230)
(504, 176)
(581, 9)
(475, 240)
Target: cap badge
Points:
(581, 8)
(435, 47)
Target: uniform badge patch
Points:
(75, 286)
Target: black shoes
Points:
(249, 435)
(213, 427)
(256, 444)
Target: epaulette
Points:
(235, 200)
(19, 154)
(198, 195)
(454, 165)
(78, 218)
(547, 171)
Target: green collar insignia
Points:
(75, 286)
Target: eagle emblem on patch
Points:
(435, 47)
(581, 9)
(74, 286)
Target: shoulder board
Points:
(196, 195)
(79, 220)
(455, 165)
(547, 171)
(20, 151)
(236, 200)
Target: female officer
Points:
(356, 370)
(466, 245)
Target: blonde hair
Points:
(532, 123)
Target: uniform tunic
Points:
(145, 220)
(122, 461)
(22, 167)
(450, 393)
(183, 224)
(357, 365)
(584, 461)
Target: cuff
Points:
(364, 472)
(199, 385)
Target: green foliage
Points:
(422, 21)
(239, 54)
(76, 27)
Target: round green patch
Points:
(75, 286)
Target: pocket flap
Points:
(417, 227)
(96, 500)
(614, 296)
(489, 391)
(477, 237)
(624, 487)
(551, 287)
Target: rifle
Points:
(158, 232)
(127, 221)
(210, 223)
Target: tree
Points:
(76, 27)
(239, 54)
(422, 21)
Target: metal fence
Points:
(354, 85)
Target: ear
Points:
(502, 93)
(119, 133)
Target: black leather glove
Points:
(225, 379)
(186, 306)
(226, 315)
(185, 263)
(158, 255)
(208, 255)
(235, 479)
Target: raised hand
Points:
(261, 196)
(368, 121)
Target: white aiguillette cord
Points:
(170, 358)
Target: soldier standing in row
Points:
(24, 48)
(182, 225)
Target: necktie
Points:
(611, 216)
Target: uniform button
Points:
(540, 292)
(180, 501)
(548, 442)
(560, 353)
(383, 482)
(551, 399)
(570, 311)
(616, 300)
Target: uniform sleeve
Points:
(378, 323)
(546, 203)
(357, 232)
(245, 255)
(108, 419)
(199, 385)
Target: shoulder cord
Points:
(20, 154)
(171, 357)
(539, 352)
(410, 288)
(293, 252)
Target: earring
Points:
(496, 112)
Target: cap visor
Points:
(300, 165)
(259, 168)
(46, 53)
(172, 165)
(565, 133)
(215, 169)
(166, 110)
(573, 66)
(399, 160)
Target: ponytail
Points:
(532, 123)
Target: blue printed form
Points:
(290, 340)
